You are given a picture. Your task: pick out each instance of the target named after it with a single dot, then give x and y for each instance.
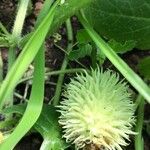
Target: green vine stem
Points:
(139, 142)
(64, 64)
(125, 70)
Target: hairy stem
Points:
(21, 14)
(16, 34)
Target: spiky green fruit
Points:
(97, 109)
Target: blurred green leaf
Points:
(144, 67)
(122, 47)
(83, 37)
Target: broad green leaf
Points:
(84, 50)
(121, 20)
(144, 67)
(47, 125)
(122, 47)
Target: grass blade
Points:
(26, 57)
(34, 106)
(35, 102)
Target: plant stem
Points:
(66, 53)
(55, 73)
(18, 96)
(21, 14)
(139, 143)
(64, 71)
(16, 34)
(46, 144)
(126, 71)
(64, 64)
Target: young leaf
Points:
(143, 67)
(121, 20)
(122, 47)
(84, 50)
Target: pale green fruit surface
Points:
(97, 109)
